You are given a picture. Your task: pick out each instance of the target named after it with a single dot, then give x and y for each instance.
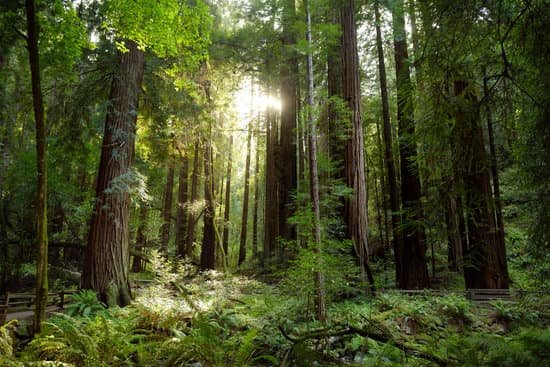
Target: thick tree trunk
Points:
(397, 240)
(107, 255)
(289, 79)
(271, 207)
(412, 266)
(225, 241)
(354, 158)
(192, 215)
(319, 278)
(42, 202)
(244, 219)
(336, 118)
(167, 207)
(485, 258)
(494, 165)
(181, 213)
(137, 264)
(208, 249)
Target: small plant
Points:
(456, 307)
(85, 304)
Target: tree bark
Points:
(413, 269)
(319, 278)
(181, 213)
(41, 207)
(494, 166)
(289, 78)
(244, 219)
(485, 257)
(208, 249)
(397, 240)
(354, 158)
(271, 207)
(225, 241)
(107, 255)
(167, 207)
(192, 216)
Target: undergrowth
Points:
(213, 319)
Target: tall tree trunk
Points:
(208, 249)
(42, 201)
(335, 116)
(181, 213)
(320, 299)
(244, 219)
(107, 255)
(137, 264)
(494, 165)
(397, 240)
(192, 215)
(271, 207)
(485, 265)
(413, 269)
(289, 79)
(225, 241)
(256, 192)
(167, 207)
(354, 158)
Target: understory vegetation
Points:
(186, 318)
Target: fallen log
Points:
(376, 336)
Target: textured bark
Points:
(413, 270)
(137, 264)
(225, 241)
(107, 255)
(181, 212)
(354, 158)
(397, 240)
(192, 216)
(41, 201)
(287, 150)
(208, 249)
(271, 209)
(244, 219)
(494, 166)
(167, 207)
(485, 255)
(319, 278)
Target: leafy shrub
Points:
(85, 304)
(456, 307)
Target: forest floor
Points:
(216, 319)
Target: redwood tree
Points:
(354, 157)
(106, 259)
(412, 268)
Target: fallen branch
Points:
(379, 337)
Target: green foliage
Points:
(85, 304)
(167, 27)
